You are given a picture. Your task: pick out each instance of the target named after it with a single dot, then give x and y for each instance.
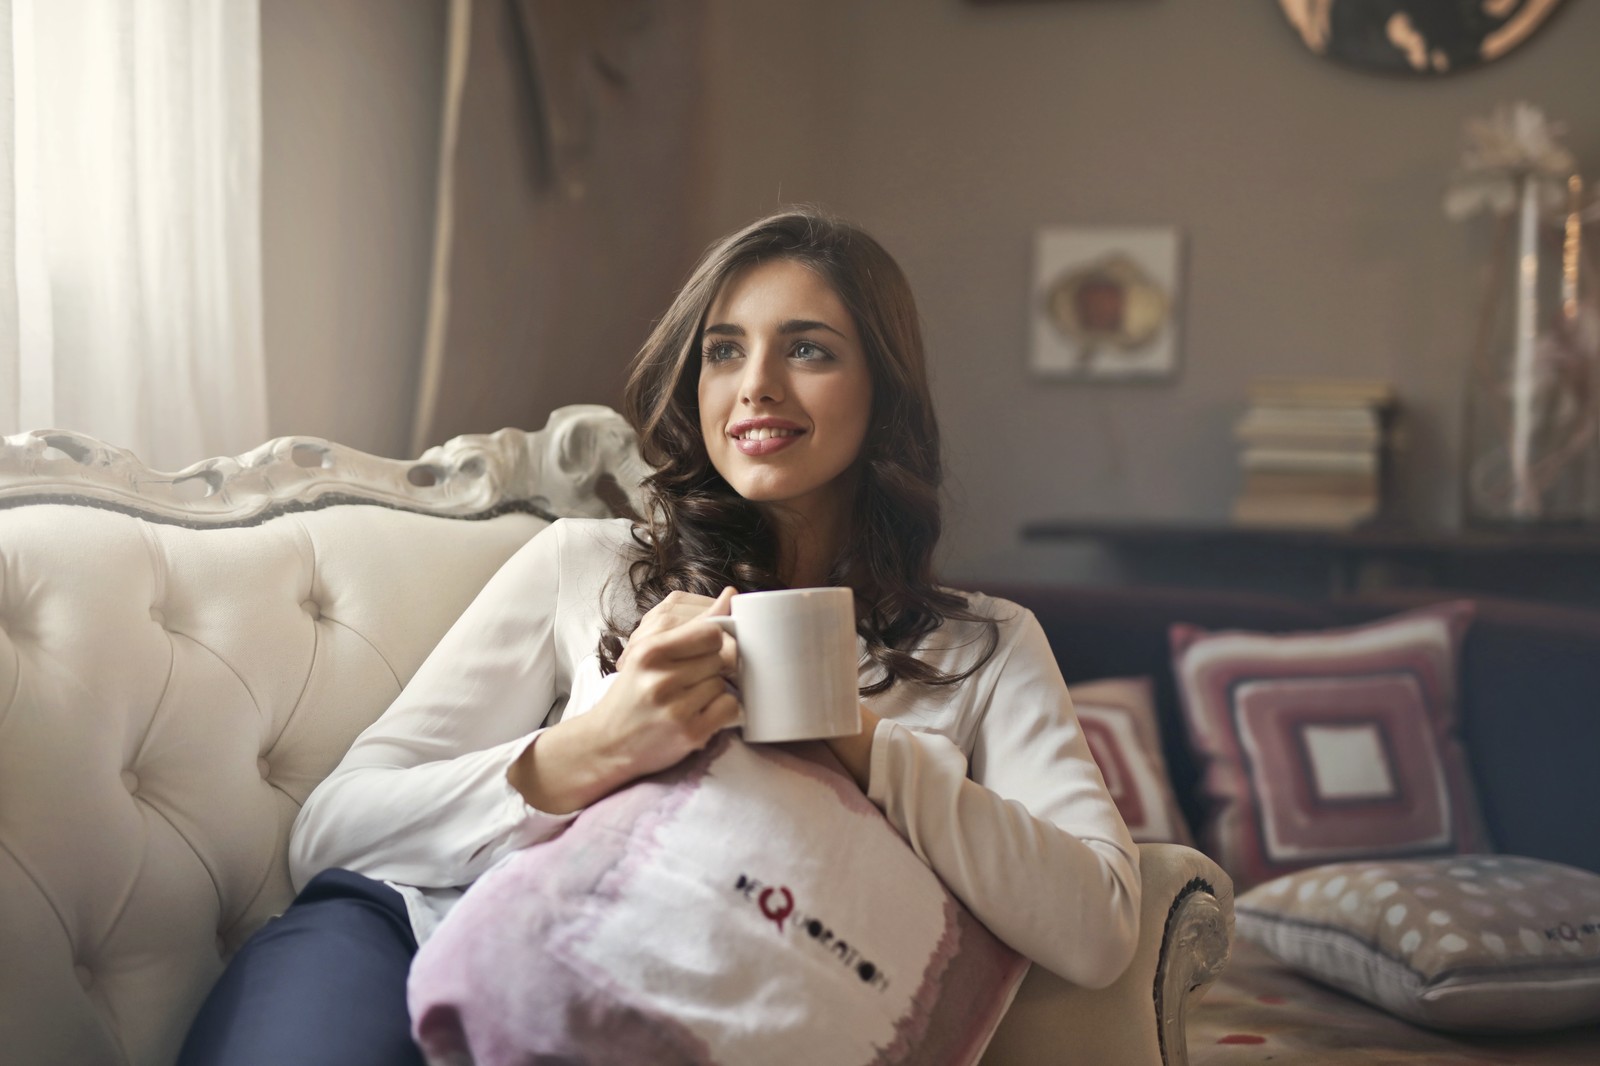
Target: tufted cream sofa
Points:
(184, 656)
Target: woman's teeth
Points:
(765, 434)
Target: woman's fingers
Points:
(669, 667)
(707, 708)
(687, 673)
(674, 611)
(673, 683)
(678, 608)
(722, 605)
(693, 641)
(699, 696)
(685, 642)
(722, 711)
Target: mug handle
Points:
(726, 623)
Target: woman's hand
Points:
(855, 752)
(669, 698)
(674, 611)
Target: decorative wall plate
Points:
(1416, 36)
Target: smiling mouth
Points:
(767, 434)
(759, 442)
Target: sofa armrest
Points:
(1185, 928)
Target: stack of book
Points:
(1313, 452)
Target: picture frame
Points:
(1105, 303)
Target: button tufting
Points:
(85, 978)
(263, 768)
(130, 780)
(158, 616)
(313, 608)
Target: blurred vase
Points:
(1532, 451)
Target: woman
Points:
(783, 401)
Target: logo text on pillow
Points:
(777, 910)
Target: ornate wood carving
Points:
(1194, 950)
(561, 469)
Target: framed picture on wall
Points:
(1104, 303)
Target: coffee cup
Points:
(798, 665)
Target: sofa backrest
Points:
(1530, 691)
(179, 670)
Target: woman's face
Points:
(785, 393)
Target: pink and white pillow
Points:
(1327, 746)
(1118, 717)
(749, 905)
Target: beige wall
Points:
(350, 121)
(1308, 195)
(552, 289)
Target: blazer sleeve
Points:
(421, 798)
(1026, 835)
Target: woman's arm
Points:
(1031, 842)
(457, 772)
(421, 797)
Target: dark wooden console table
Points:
(1558, 564)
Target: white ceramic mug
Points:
(797, 663)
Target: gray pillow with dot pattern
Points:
(1475, 943)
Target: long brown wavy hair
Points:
(700, 535)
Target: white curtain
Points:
(130, 224)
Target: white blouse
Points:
(989, 780)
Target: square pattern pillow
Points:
(1118, 716)
(1325, 746)
(749, 905)
(1472, 943)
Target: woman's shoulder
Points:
(956, 640)
(598, 535)
(593, 555)
(574, 551)
(591, 549)
(1020, 646)
(1008, 616)
(574, 541)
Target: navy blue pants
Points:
(323, 984)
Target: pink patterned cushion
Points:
(1119, 720)
(749, 905)
(1326, 746)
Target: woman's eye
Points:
(717, 353)
(807, 350)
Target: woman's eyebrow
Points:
(793, 325)
(805, 325)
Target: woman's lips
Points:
(765, 447)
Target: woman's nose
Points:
(763, 378)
